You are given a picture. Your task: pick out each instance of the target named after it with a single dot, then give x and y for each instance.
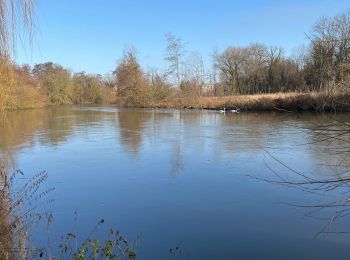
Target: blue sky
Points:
(91, 35)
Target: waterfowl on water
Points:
(222, 110)
(235, 110)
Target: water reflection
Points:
(131, 124)
(186, 132)
(176, 175)
(51, 127)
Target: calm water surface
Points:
(185, 177)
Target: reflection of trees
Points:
(21, 126)
(332, 139)
(49, 126)
(131, 125)
(185, 133)
(176, 160)
(136, 124)
(209, 133)
(247, 132)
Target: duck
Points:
(235, 110)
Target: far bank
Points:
(283, 102)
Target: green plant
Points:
(115, 246)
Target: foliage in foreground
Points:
(116, 246)
(20, 210)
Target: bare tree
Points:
(195, 70)
(273, 59)
(256, 67)
(301, 56)
(174, 54)
(228, 64)
(330, 51)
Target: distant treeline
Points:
(321, 66)
(49, 83)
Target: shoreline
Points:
(281, 102)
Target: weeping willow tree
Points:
(16, 24)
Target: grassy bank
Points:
(314, 101)
(283, 102)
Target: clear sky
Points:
(90, 35)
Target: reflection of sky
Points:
(178, 176)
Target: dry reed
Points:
(313, 101)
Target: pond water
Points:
(189, 177)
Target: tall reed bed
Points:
(313, 101)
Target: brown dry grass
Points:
(6, 242)
(313, 101)
(18, 204)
